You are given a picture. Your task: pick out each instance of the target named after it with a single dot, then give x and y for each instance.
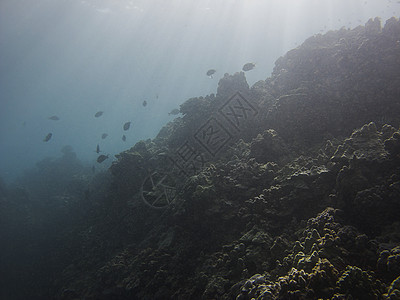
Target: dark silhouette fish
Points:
(248, 67)
(102, 158)
(98, 114)
(104, 135)
(174, 112)
(93, 169)
(127, 125)
(124, 138)
(98, 149)
(48, 137)
(54, 118)
(210, 73)
(144, 103)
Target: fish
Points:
(102, 158)
(127, 125)
(248, 67)
(48, 137)
(93, 169)
(124, 138)
(174, 112)
(144, 103)
(210, 73)
(104, 135)
(98, 114)
(54, 118)
(98, 149)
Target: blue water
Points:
(74, 58)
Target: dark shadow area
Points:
(38, 213)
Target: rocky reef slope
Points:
(289, 189)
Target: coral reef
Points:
(298, 198)
(302, 203)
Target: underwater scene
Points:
(177, 149)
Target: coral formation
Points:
(299, 204)
(301, 201)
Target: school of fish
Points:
(126, 126)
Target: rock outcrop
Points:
(286, 190)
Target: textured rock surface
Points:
(301, 202)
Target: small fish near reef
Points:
(48, 137)
(54, 118)
(210, 73)
(104, 135)
(99, 114)
(248, 67)
(144, 103)
(98, 149)
(124, 138)
(127, 125)
(174, 112)
(102, 158)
